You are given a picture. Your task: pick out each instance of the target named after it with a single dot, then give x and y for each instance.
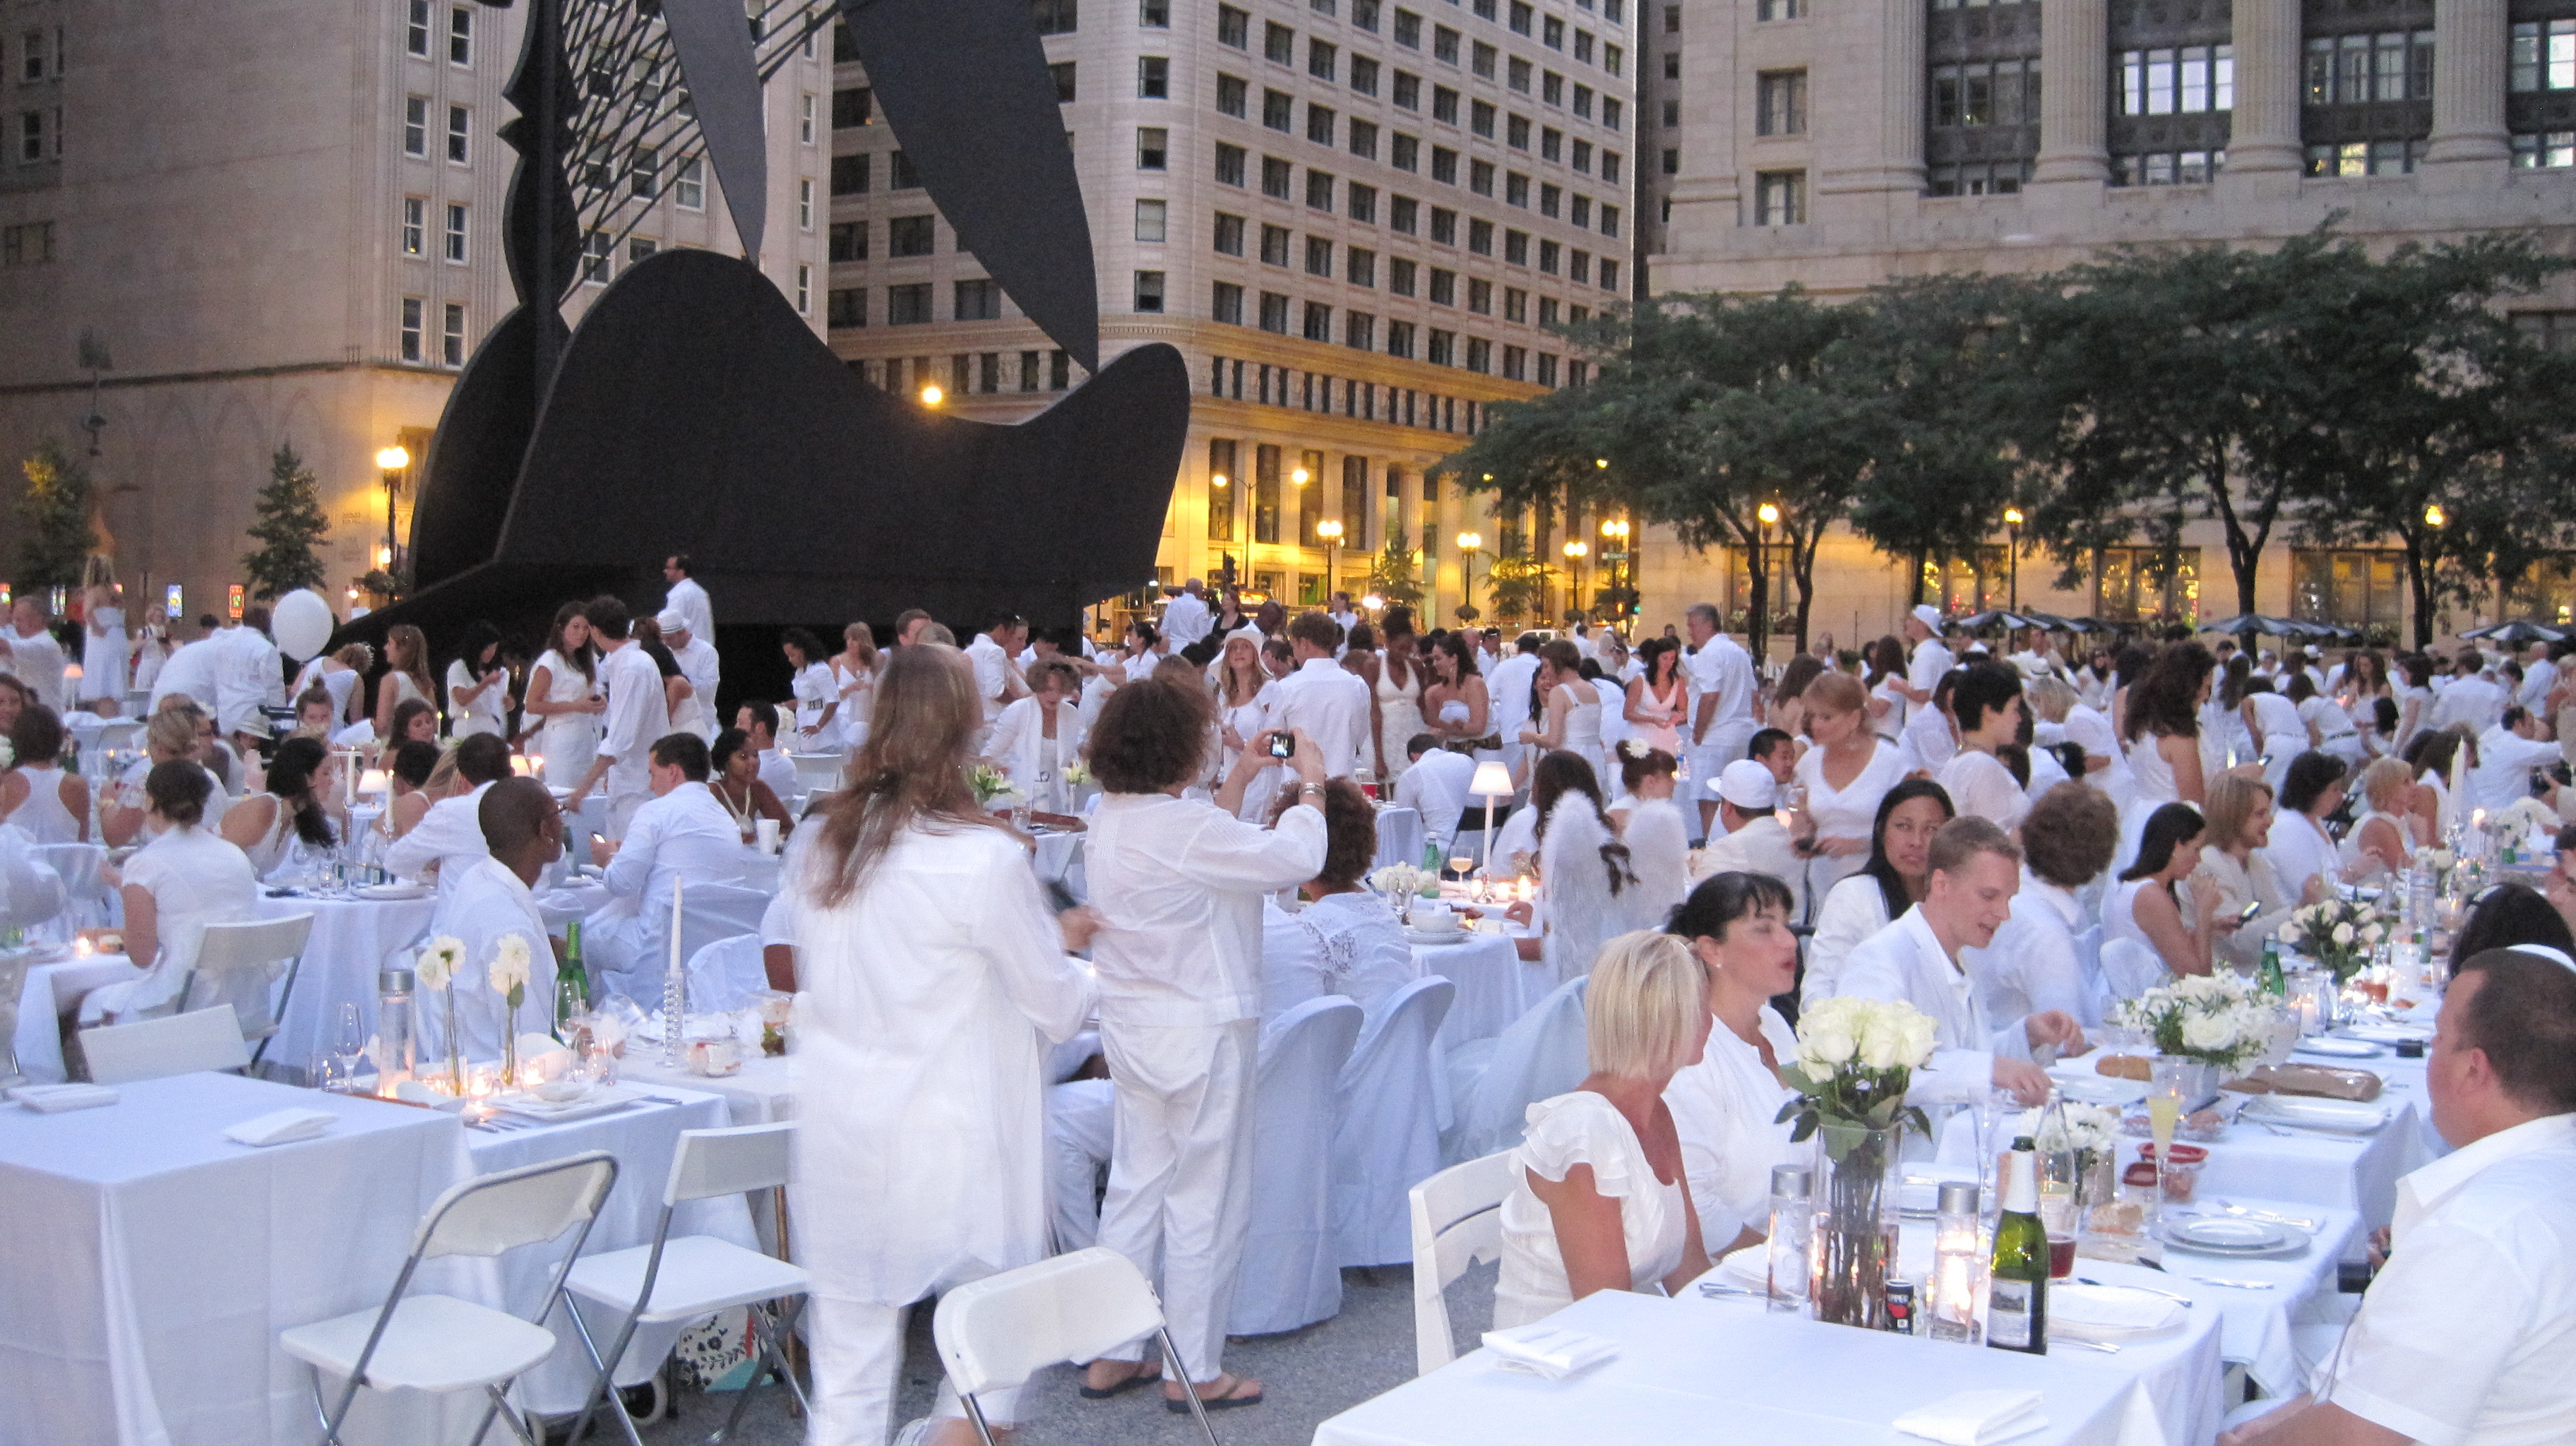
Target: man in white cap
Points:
(1720, 674)
(2312, 663)
(697, 659)
(1931, 659)
(1755, 842)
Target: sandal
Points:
(1224, 1400)
(1143, 1375)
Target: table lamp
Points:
(1492, 781)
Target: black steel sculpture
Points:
(694, 411)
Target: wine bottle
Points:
(572, 984)
(2017, 1289)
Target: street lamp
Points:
(2012, 549)
(1575, 552)
(1764, 516)
(2434, 516)
(391, 463)
(932, 396)
(1468, 543)
(1331, 531)
(1614, 551)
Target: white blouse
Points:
(1346, 944)
(1978, 783)
(2300, 851)
(1726, 1109)
(1583, 1128)
(483, 715)
(1851, 912)
(1849, 811)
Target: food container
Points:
(2179, 1176)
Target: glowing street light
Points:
(1766, 516)
(391, 463)
(2434, 516)
(2012, 551)
(1331, 531)
(1468, 545)
(1300, 477)
(1575, 551)
(932, 396)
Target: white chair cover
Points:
(1290, 1275)
(1399, 836)
(725, 974)
(84, 885)
(1388, 1139)
(2129, 969)
(709, 912)
(1540, 1057)
(2088, 968)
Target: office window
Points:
(1480, 354)
(1056, 17)
(1610, 167)
(451, 335)
(1444, 226)
(598, 257)
(1515, 305)
(1153, 77)
(910, 236)
(1443, 350)
(1363, 203)
(1769, 10)
(644, 173)
(1521, 14)
(1609, 220)
(1318, 322)
(1229, 234)
(1408, 30)
(1515, 364)
(1063, 74)
(1233, 27)
(1359, 266)
(453, 246)
(1150, 219)
(1516, 247)
(1029, 370)
(1319, 190)
(416, 126)
(2177, 80)
(1276, 175)
(1319, 124)
(853, 107)
(900, 176)
(2549, 149)
(1780, 198)
(1363, 138)
(1154, 14)
(1319, 257)
(908, 305)
(804, 289)
(1399, 339)
(1444, 105)
(1149, 291)
(1551, 144)
(460, 134)
(1480, 118)
(848, 241)
(1579, 210)
(2543, 56)
(1480, 237)
(1404, 152)
(1274, 312)
(1518, 75)
(1359, 332)
(805, 118)
(1444, 287)
(460, 35)
(1516, 189)
(1578, 265)
(1400, 274)
(1672, 161)
(1780, 103)
(1322, 58)
(1481, 60)
(1274, 245)
(1233, 96)
(2357, 69)
(1582, 161)
(416, 29)
(1364, 15)
(1153, 146)
(1225, 303)
(1516, 132)
(1363, 75)
(1444, 44)
(849, 176)
(1551, 200)
(1547, 369)
(1547, 255)
(408, 337)
(1400, 214)
(1583, 101)
(1278, 109)
(1229, 164)
(1407, 91)
(1278, 43)
(1480, 177)
(1612, 112)
(1444, 165)
(1480, 296)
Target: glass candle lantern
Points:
(1792, 1227)
(1958, 1265)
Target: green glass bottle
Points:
(572, 984)
(1431, 858)
(2268, 975)
(2017, 1277)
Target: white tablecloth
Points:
(1688, 1370)
(50, 992)
(352, 939)
(1495, 986)
(2255, 1325)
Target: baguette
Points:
(2126, 1066)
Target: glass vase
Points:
(455, 1054)
(1856, 1189)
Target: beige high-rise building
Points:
(1838, 145)
(1356, 219)
(281, 224)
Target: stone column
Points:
(1902, 116)
(2265, 133)
(2074, 92)
(2468, 83)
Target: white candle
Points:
(675, 928)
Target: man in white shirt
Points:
(698, 664)
(453, 827)
(1436, 787)
(2470, 698)
(2507, 753)
(2032, 964)
(248, 676)
(2037, 659)
(636, 715)
(1756, 842)
(1975, 872)
(1186, 618)
(683, 835)
(2467, 1335)
(1720, 673)
(1489, 651)
(189, 671)
(760, 721)
(491, 897)
(28, 650)
(1344, 615)
(1509, 681)
(1321, 699)
(996, 681)
(1932, 657)
(2539, 676)
(688, 599)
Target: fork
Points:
(2238, 1284)
(2103, 1346)
(2299, 1221)
(2149, 1289)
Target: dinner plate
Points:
(598, 1101)
(2087, 1088)
(1443, 936)
(1750, 1266)
(2391, 1033)
(393, 893)
(2344, 1116)
(2231, 1235)
(2326, 1044)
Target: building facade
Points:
(282, 225)
(1356, 219)
(1837, 146)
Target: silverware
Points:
(1713, 1288)
(2238, 1284)
(2299, 1221)
(2149, 1289)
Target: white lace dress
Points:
(568, 741)
(1583, 1128)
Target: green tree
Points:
(291, 522)
(1394, 572)
(1515, 583)
(55, 539)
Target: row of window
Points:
(1360, 332)
(1404, 212)
(1324, 62)
(2181, 80)
(422, 32)
(412, 232)
(1404, 150)
(1404, 275)
(412, 338)
(1231, 378)
(458, 143)
(967, 373)
(1279, 42)
(2167, 168)
(1986, 93)
(2543, 56)
(41, 55)
(2356, 69)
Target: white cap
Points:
(2314, 652)
(1928, 615)
(671, 621)
(1748, 785)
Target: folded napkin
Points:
(281, 1127)
(2322, 1081)
(1550, 1351)
(2092, 1310)
(2391, 1033)
(56, 1098)
(1975, 1418)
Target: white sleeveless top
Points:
(2120, 917)
(1583, 728)
(1582, 1128)
(2154, 775)
(43, 816)
(2348, 848)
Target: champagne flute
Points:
(2164, 1111)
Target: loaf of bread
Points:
(2126, 1066)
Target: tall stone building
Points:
(279, 223)
(1839, 145)
(1354, 218)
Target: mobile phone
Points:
(1283, 744)
(2246, 915)
(1059, 898)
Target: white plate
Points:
(393, 893)
(2087, 1088)
(1444, 936)
(1750, 1266)
(2230, 1235)
(2324, 1044)
(2345, 1116)
(2391, 1033)
(598, 1102)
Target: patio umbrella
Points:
(2516, 632)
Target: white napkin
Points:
(56, 1098)
(1549, 1351)
(281, 1127)
(2085, 1310)
(1975, 1418)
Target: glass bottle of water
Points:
(395, 1036)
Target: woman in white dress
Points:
(339, 675)
(1599, 1196)
(478, 687)
(2364, 683)
(563, 693)
(151, 649)
(1037, 736)
(2304, 854)
(1587, 889)
(817, 697)
(1987, 704)
(930, 982)
(2160, 727)
(1885, 664)
(2147, 907)
(1726, 1108)
(854, 675)
(2379, 842)
(2236, 869)
(1395, 678)
(1650, 823)
(2273, 721)
(105, 646)
(2414, 694)
(172, 888)
(1658, 697)
(43, 801)
(1457, 706)
(1890, 881)
(1243, 714)
(2329, 727)
(1573, 713)
(1843, 777)
(406, 678)
(299, 803)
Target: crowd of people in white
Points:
(2011, 842)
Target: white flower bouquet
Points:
(1077, 773)
(2219, 1019)
(1403, 879)
(1856, 1058)
(989, 783)
(2340, 933)
(2525, 816)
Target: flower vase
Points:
(510, 1053)
(455, 1053)
(2199, 1079)
(1856, 1189)
(1402, 901)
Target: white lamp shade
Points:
(1492, 780)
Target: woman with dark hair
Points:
(1573, 708)
(735, 781)
(2506, 916)
(38, 795)
(1658, 697)
(415, 721)
(1395, 677)
(408, 766)
(564, 697)
(2435, 754)
(1891, 882)
(172, 888)
(406, 678)
(2145, 906)
(2160, 727)
(2222, 717)
(1788, 710)
(1456, 705)
(2301, 848)
(300, 804)
(1179, 883)
(478, 692)
(2273, 722)
(1346, 940)
(2413, 690)
(2095, 681)
(1587, 889)
(813, 689)
(1650, 823)
(1727, 1106)
(1987, 704)
(931, 983)
(1885, 660)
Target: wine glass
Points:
(348, 1044)
(1461, 865)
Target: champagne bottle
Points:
(2017, 1290)
(2269, 975)
(572, 984)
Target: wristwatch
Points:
(1310, 790)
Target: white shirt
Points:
(195, 878)
(2537, 679)
(1850, 912)
(636, 717)
(1186, 620)
(1928, 738)
(685, 834)
(779, 772)
(2299, 850)
(1932, 658)
(1904, 961)
(2031, 966)
(1979, 783)
(483, 715)
(189, 670)
(484, 903)
(1331, 705)
(698, 664)
(2503, 774)
(1722, 669)
(248, 675)
(690, 601)
(453, 828)
(1762, 846)
(1507, 687)
(1724, 1108)
(1436, 787)
(1345, 944)
(992, 673)
(1178, 883)
(2471, 700)
(2467, 1335)
(37, 661)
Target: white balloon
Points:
(301, 623)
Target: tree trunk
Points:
(2419, 580)
(1914, 592)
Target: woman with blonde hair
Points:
(151, 649)
(1844, 775)
(2236, 869)
(931, 981)
(854, 675)
(406, 678)
(104, 650)
(2380, 833)
(173, 734)
(1599, 1196)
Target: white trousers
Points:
(622, 803)
(1081, 1129)
(1180, 1178)
(857, 1348)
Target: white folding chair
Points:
(818, 772)
(172, 1044)
(697, 1275)
(439, 1343)
(1387, 1137)
(1457, 1222)
(725, 974)
(81, 867)
(995, 1333)
(236, 964)
(709, 912)
(1539, 1056)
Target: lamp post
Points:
(932, 396)
(1614, 553)
(1468, 543)
(391, 463)
(1763, 517)
(2436, 519)
(1330, 529)
(1575, 552)
(2012, 551)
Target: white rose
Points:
(1883, 1047)
(2343, 935)
(509, 967)
(1826, 1037)
(1920, 1039)
(2210, 1033)
(434, 967)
